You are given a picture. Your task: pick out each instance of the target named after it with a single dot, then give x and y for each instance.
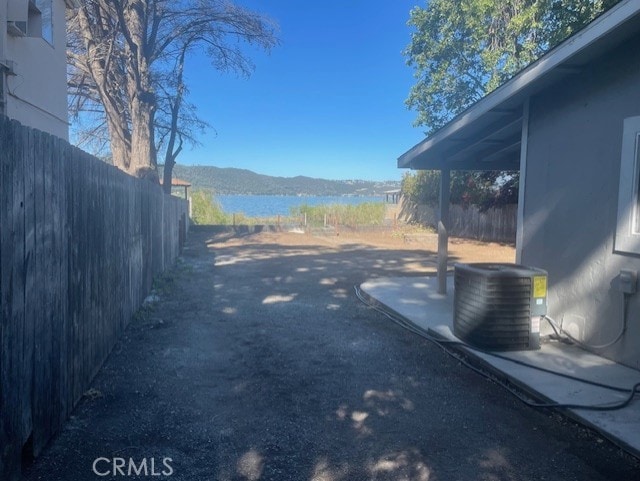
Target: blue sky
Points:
(328, 102)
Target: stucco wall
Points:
(571, 200)
(3, 42)
(3, 19)
(37, 94)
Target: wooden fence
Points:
(496, 224)
(80, 243)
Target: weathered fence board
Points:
(80, 243)
(9, 397)
(496, 224)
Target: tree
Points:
(423, 187)
(126, 63)
(485, 189)
(462, 49)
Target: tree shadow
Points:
(266, 367)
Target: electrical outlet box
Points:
(628, 281)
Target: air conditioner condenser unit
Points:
(499, 307)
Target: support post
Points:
(523, 184)
(443, 230)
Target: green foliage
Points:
(485, 189)
(423, 187)
(462, 49)
(368, 213)
(204, 210)
(240, 218)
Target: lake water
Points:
(273, 205)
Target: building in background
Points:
(33, 87)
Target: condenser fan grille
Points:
(493, 306)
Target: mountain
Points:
(225, 181)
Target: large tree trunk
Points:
(167, 175)
(121, 51)
(141, 96)
(120, 148)
(143, 152)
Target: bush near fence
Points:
(496, 224)
(80, 243)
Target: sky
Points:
(327, 102)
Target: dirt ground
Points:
(422, 247)
(258, 363)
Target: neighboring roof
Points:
(179, 183)
(487, 135)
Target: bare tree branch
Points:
(126, 59)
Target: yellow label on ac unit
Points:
(539, 286)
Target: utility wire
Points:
(441, 343)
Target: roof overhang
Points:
(180, 183)
(487, 135)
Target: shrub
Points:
(205, 210)
(368, 213)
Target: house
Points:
(33, 83)
(182, 186)
(570, 123)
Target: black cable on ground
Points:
(442, 343)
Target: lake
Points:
(273, 205)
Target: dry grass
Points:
(421, 245)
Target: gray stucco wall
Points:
(571, 199)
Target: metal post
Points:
(443, 230)
(524, 140)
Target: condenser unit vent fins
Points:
(495, 307)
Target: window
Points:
(34, 21)
(627, 238)
(46, 19)
(40, 21)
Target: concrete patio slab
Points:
(415, 299)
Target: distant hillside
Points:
(226, 181)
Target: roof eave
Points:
(526, 81)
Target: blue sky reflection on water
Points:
(273, 205)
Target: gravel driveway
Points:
(258, 363)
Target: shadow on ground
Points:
(258, 363)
